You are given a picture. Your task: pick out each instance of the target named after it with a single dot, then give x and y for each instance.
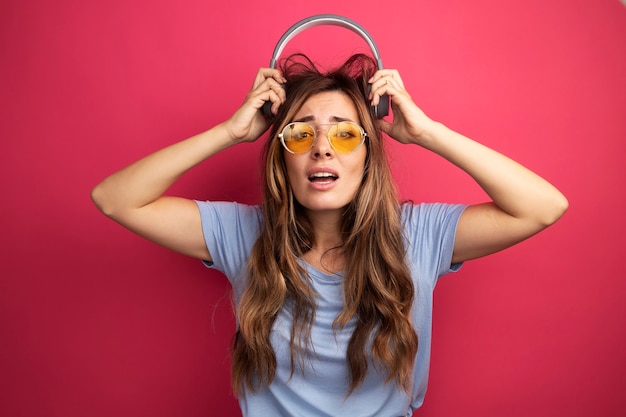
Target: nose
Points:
(321, 146)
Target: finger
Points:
(266, 98)
(390, 76)
(279, 90)
(392, 73)
(380, 87)
(268, 73)
(267, 85)
(397, 79)
(275, 100)
(387, 81)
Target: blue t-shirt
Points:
(230, 231)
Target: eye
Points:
(299, 132)
(347, 131)
(301, 135)
(345, 134)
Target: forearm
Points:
(144, 181)
(513, 188)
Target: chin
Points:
(325, 201)
(324, 205)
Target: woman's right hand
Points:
(248, 123)
(134, 196)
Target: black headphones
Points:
(382, 108)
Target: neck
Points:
(326, 253)
(326, 228)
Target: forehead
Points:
(328, 106)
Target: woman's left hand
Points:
(410, 123)
(522, 202)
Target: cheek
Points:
(358, 168)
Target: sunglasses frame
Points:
(315, 129)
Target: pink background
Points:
(95, 321)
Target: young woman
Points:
(332, 276)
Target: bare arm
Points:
(522, 203)
(134, 197)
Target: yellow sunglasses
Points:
(344, 137)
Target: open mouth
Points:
(323, 177)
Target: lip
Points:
(322, 186)
(317, 170)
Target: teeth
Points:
(323, 175)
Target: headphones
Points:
(382, 108)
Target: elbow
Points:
(555, 209)
(99, 198)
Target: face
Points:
(321, 178)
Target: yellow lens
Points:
(345, 136)
(298, 137)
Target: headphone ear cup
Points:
(267, 110)
(382, 108)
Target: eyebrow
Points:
(335, 119)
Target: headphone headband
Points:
(325, 19)
(380, 110)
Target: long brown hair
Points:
(377, 286)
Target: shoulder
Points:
(230, 224)
(230, 230)
(225, 212)
(430, 232)
(430, 214)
